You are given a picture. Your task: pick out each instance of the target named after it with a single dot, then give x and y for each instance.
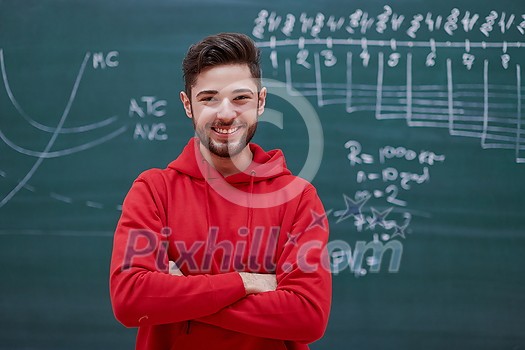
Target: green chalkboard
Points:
(415, 140)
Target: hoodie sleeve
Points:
(298, 310)
(141, 290)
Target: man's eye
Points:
(207, 99)
(242, 97)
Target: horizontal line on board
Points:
(273, 43)
(480, 87)
(62, 233)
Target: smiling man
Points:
(226, 103)
(225, 248)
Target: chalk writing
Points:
(380, 178)
(413, 25)
(148, 106)
(495, 118)
(105, 61)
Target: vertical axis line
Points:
(485, 102)
(318, 82)
(450, 97)
(379, 95)
(349, 81)
(288, 74)
(518, 129)
(409, 89)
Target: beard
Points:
(226, 148)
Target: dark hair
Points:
(220, 49)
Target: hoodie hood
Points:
(264, 166)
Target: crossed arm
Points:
(253, 282)
(256, 304)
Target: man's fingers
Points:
(174, 269)
(272, 282)
(258, 283)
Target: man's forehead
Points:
(225, 79)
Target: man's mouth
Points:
(225, 130)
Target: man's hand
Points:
(258, 282)
(174, 269)
(253, 282)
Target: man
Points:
(223, 249)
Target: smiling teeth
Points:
(226, 131)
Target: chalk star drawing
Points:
(378, 218)
(353, 208)
(399, 231)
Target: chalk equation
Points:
(378, 206)
(471, 88)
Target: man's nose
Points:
(226, 110)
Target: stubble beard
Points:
(226, 149)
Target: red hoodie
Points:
(261, 220)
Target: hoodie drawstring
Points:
(207, 194)
(250, 215)
(250, 200)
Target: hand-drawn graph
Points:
(55, 132)
(473, 106)
(410, 68)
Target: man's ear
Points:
(186, 103)
(262, 101)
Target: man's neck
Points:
(228, 166)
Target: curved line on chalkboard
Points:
(53, 138)
(63, 152)
(34, 123)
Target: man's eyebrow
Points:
(243, 90)
(215, 92)
(207, 92)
